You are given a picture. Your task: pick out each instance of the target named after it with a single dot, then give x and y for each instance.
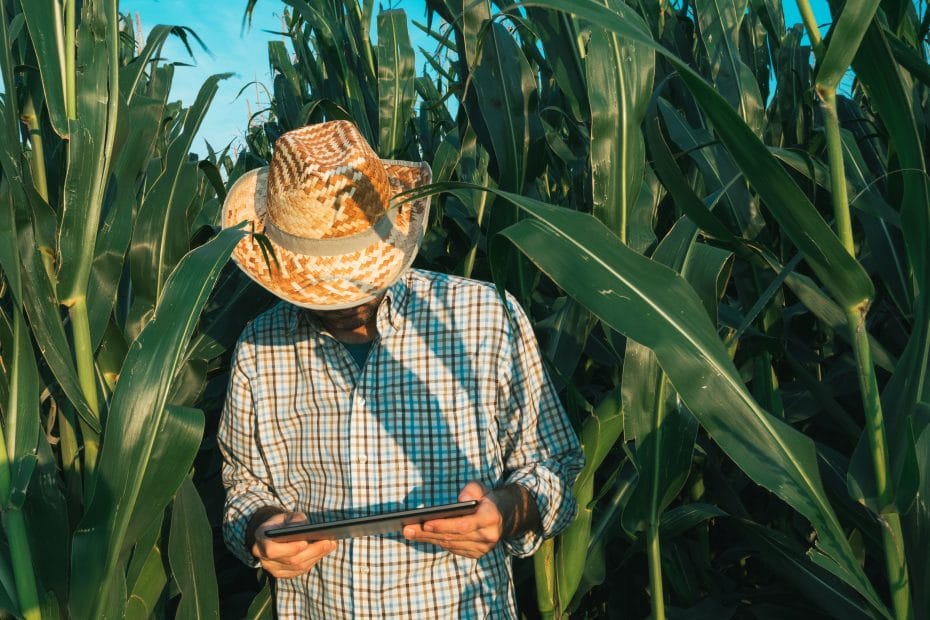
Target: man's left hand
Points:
(471, 536)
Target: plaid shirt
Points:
(453, 390)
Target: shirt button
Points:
(363, 458)
(360, 401)
(363, 569)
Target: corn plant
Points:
(724, 253)
(108, 332)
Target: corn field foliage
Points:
(718, 222)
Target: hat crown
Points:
(325, 181)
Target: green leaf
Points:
(262, 607)
(876, 68)
(41, 303)
(396, 75)
(44, 21)
(908, 386)
(720, 22)
(822, 250)
(654, 306)
(147, 587)
(190, 551)
(46, 513)
(619, 78)
(599, 433)
(135, 416)
(663, 433)
(680, 519)
(506, 89)
(708, 272)
(843, 42)
(718, 172)
(559, 39)
(916, 523)
(176, 445)
(787, 559)
(160, 237)
(21, 420)
(677, 186)
(137, 128)
(89, 153)
(132, 76)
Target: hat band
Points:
(335, 246)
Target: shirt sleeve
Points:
(540, 449)
(245, 476)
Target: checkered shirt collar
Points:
(390, 312)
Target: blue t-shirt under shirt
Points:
(358, 351)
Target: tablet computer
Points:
(367, 526)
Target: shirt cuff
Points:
(555, 503)
(241, 520)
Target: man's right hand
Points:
(288, 559)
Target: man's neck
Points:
(352, 325)
(365, 333)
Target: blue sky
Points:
(244, 52)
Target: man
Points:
(376, 387)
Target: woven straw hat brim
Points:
(328, 282)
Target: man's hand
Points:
(288, 559)
(502, 512)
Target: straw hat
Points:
(324, 204)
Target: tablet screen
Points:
(367, 526)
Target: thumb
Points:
(472, 490)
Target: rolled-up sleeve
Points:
(245, 476)
(540, 448)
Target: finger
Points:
(302, 562)
(292, 518)
(446, 540)
(467, 549)
(412, 531)
(283, 573)
(276, 550)
(472, 490)
(487, 515)
(313, 553)
(453, 525)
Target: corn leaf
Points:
(190, 552)
(844, 39)
(160, 237)
(619, 79)
(136, 413)
(840, 273)
(875, 65)
(175, 447)
(396, 93)
(651, 304)
(559, 39)
(88, 158)
(131, 76)
(137, 127)
(262, 607)
(786, 559)
(21, 411)
(599, 433)
(720, 22)
(505, 88)
(44, 22)
(147, 587)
